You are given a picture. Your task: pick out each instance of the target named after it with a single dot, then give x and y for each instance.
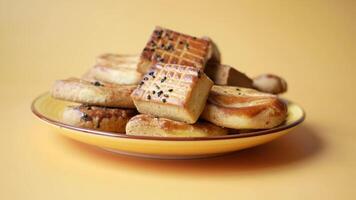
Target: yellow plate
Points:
(50, 110)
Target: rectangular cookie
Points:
(167, 46)
(173, 91)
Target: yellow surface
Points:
(50, 110)
(310, 43)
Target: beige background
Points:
(310, 43)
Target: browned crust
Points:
(168, 46)
(103, 118)
(276, 104)
(172, 125)
(115, 95)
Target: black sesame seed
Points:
(166, 95)
(153, 92)
(146, 49)
(163, 79)
(159, 93)
(164, 100)
(97, 83)
(141, 83)
(237, 89)
(157, 86)
(148, 97)
(194, 38)
(145, 78)
(151, 73)
(170, 90)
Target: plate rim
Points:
(122, 135)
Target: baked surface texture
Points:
(148, 125)
(99, 118)
(270, 83)
(167, 46)
(93, 93)
(173, 91)
(227, 75)
(242, 108)
(115, 68)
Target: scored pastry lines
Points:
(184, 52)
(167, 83)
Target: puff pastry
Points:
(242, 108)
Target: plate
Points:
(50, 110)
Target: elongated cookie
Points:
(168, 46)
(148, 125)
(173, 91)
(99, 118)
(93, 93)
(242, 108)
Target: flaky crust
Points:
(148, 125)
(115, 68)
(93, 93)
(99, 118)
(242, 108)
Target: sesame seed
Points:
(164, 100)
(148, 97)
(97, 83)
(163, 79)
(170, 90)
(159, 93)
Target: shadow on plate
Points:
(300, 145)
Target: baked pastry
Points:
(243, 108)
(227, 75)
(167, 46)
(93, 93)
(118, 60)
(148, 125)
(99, 118)
(115, 68)
(173, 91)
(270, 83)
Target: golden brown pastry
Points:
(115, 68)
(93, 93)
(167, 46)
(173, 91)
(148, 125)
(227, 75)
(242, 108)
(270, 83)
(99, 118)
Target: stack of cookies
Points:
(177, 87)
